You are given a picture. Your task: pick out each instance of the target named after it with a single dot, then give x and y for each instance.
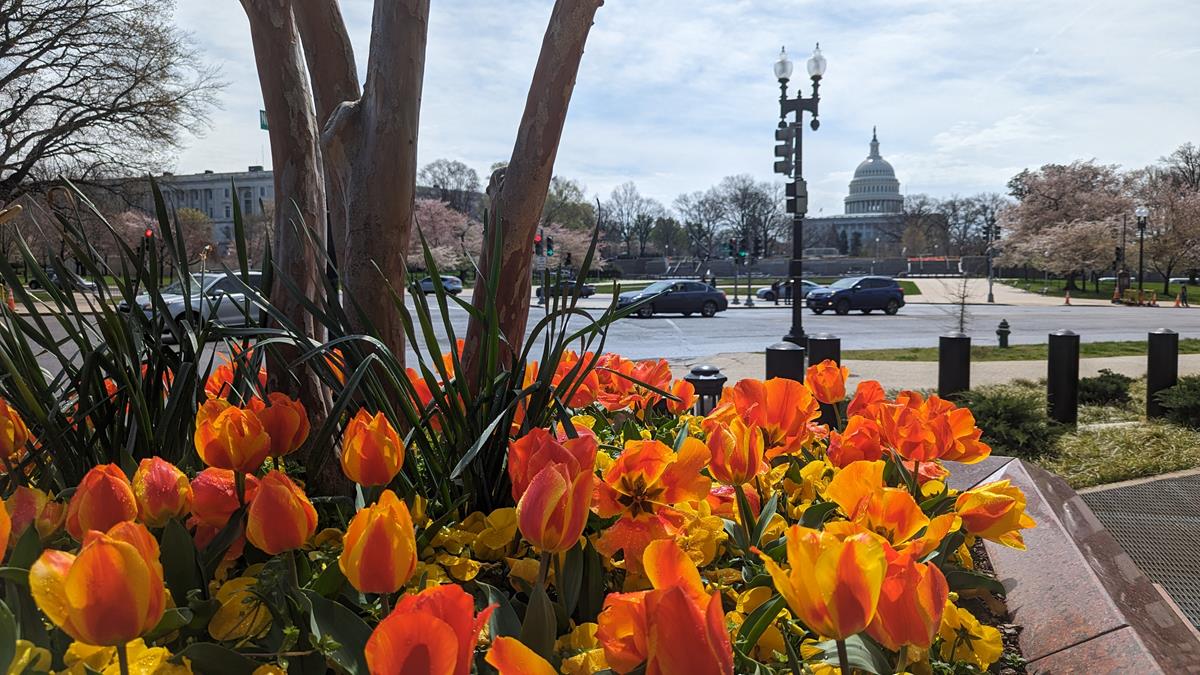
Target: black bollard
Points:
(1162, 367)
(1062, 377)
(708, 383)
(785, 360)
(824, 346)
(954, 364)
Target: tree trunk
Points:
(522, 194)
(371, 153)
(299, 196)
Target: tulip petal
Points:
(511, 657)
(412, 644)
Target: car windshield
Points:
(658, 287)
(176, 288)
(844, 283)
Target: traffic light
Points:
(537, 243)
(568, 259)
(743, 248)
(731, 247)
(757, 248)
(784, 139)
(550, 246)
(149, 234)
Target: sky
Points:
(676, 94)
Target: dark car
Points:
(453, 285)
(768, 292)
(72, 282)
(676, 296)
(865, 294)
(567, 287)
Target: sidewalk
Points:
(950, 291)
(923, 374)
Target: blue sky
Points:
(676, 94)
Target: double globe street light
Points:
(788, 163)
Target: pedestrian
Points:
(1183, 295)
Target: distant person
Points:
(1183, 295)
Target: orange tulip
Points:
(860, 441)
(214, 496)
(584, 385)
(162, 492)
(379, 553)
(613, 371)
(103, 499)
(434, 631)
(923, 430)
(996, 512)
(6, 527)
(220, 382)
(827, 381)
(280, 518)
(686, 393)
(911, 602)
(833, 584)
(782, 408)
(372, 452)
(891, 514)
(110, 593)
(228, 437)
(529, 454)
(509, 656)
(675, 628)
(13, 433)
(554, 508)
(737, 451)
(30, 506)
(867, 394)
(285, 421)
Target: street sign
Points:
(539, 263)
(262, 119)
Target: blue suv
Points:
(862, 293)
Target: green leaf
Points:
(572, 579)
(338, 622)
(757, 622)
(179, 561)
(764, 519)
(8, 637)
(540, 626)
(862, 652)
(207, 657)
(172, 620)
(961, 580)
(816, 515)
(27, 550)
(591, 599)
(329, 582)
(504, 621)
(17, 575)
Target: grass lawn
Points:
(1056, 288)
(1032, 352)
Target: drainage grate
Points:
(1158, 525)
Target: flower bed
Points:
(637, 537)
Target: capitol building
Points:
(873, 209)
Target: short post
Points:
(824, 346)
(708, 383)
(1002, 332)
(786, 360)
(1162, 367)
(954, 364)
(1062, 377)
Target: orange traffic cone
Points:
(1067, 298)
(1116, 294)
(1179, 299)
(10, 300)
(1154, 299)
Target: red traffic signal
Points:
(149, 233)
(537, 238)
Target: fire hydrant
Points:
(1002, 332)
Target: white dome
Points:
(874, 188)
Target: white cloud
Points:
(676, 94)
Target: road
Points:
(917, 325)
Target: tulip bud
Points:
(554, 509)
(284, 420)
(737, 451)
(214, 496)
(110, 593)
(280, 518)
(103, 499)
(13, 433)
(372, 452)
(228, 437)
(162, 492)
(827, 381)
(686, 393)
(30, 506)
(379, 553)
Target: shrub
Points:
(1182, 402)
(1013, 420)
(1107, 388)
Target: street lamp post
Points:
(788, 152)
(1142, 213)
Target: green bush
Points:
(1107, 388)
(1013, 420)
(1182, 402)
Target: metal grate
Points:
(1158, 525)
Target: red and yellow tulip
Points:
(911, 602)
(434, 631)
(554, 508)
(528, 455)
(379, 553)
(285, 421)
(783, 409)
(103, 499)
(996, 512)
(372, 452)
(280, 518)
(162, 492)
(228, 437)
(13, 433)
(737, 451)
(859, 441)
(30, 506)
(214, 496)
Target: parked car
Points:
(567, 288)
(865, 294)
(1184, 280)
(676, 296)
(453, 285)
(768, 293)
(72, 281)
(214, 296)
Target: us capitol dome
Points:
(873, 209)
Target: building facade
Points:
(873, 218)
(214, 195)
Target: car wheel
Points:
(646, 311)
(842, 308)
(865, 311)
(892, 308)
(769, 296)
(709, 309)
